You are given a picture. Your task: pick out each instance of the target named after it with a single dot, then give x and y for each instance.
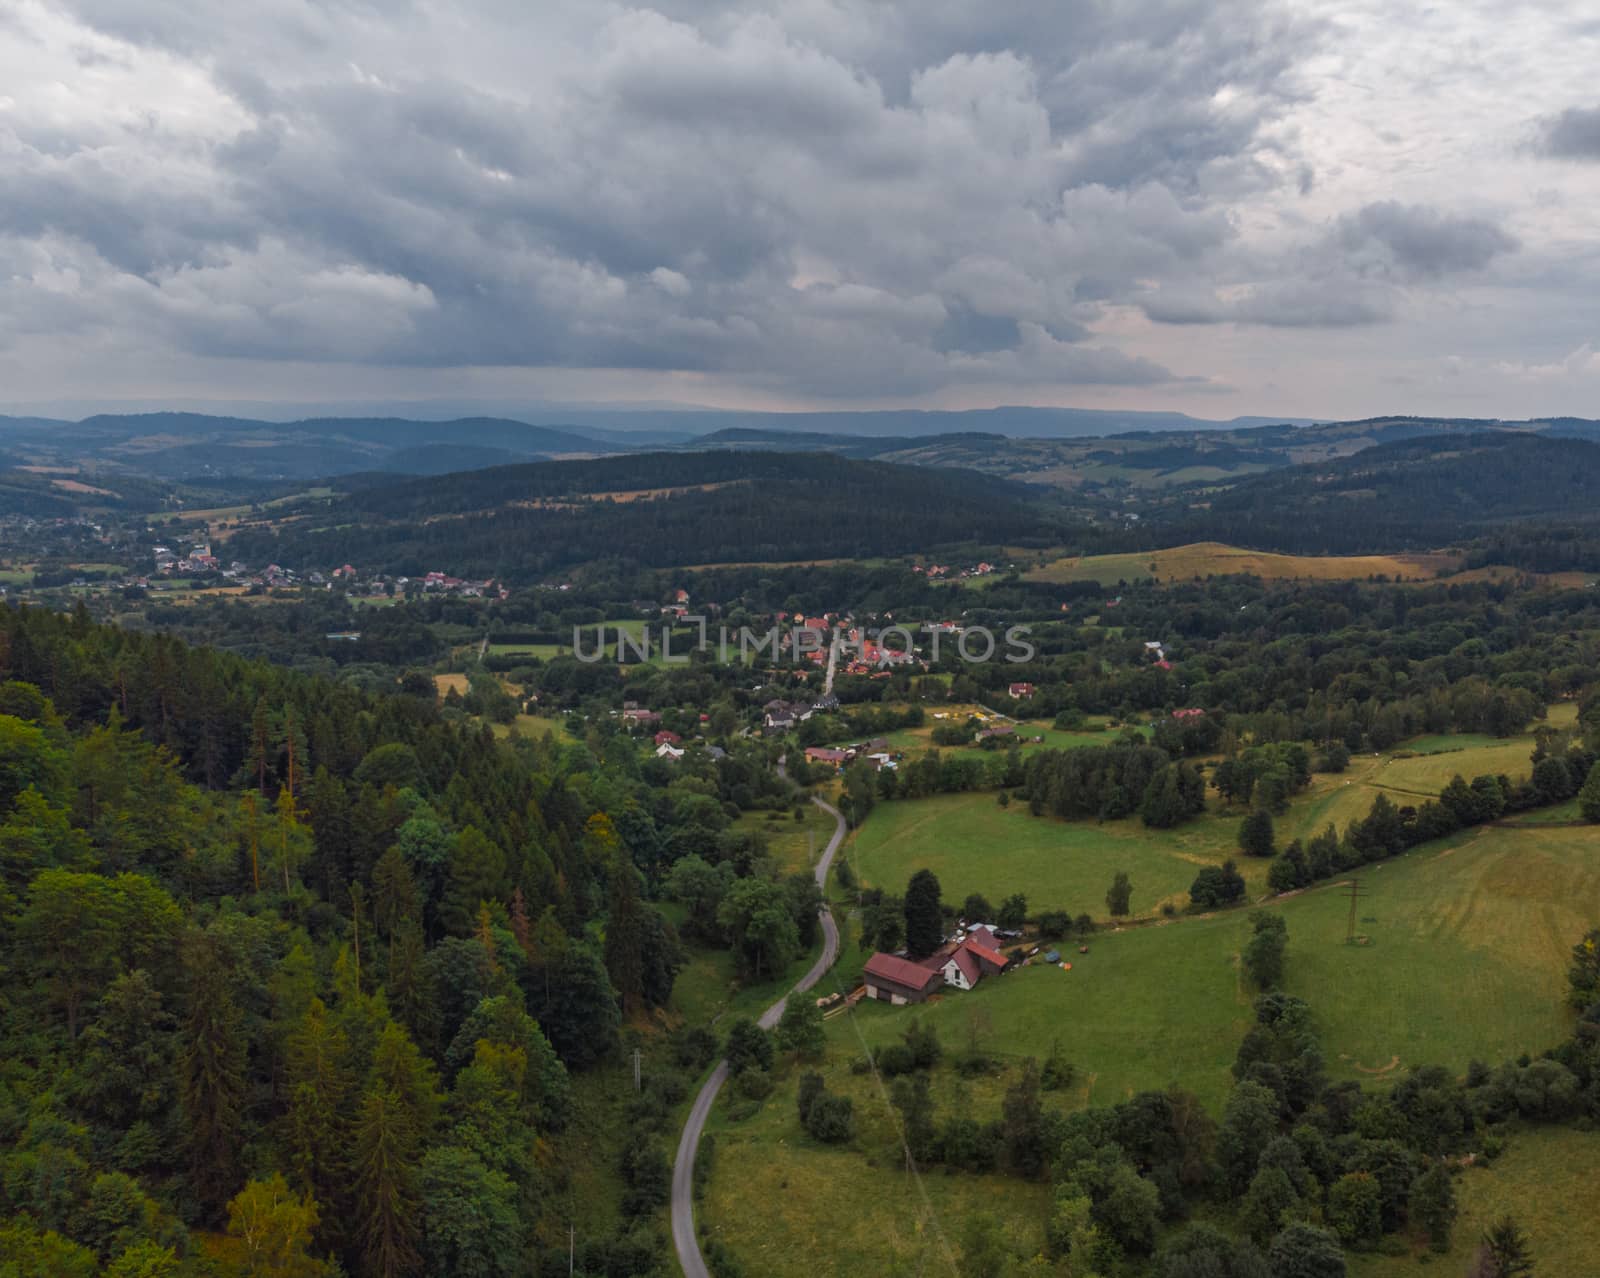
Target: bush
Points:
(1055, 924)
(896, 1059)
(753, 1084)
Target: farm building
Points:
(899, 981)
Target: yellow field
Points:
(445, 683)
(1213, 559)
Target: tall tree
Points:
(1119, 896)
(625, 935)
(212, 1078)
(387, 1196)
(924, 914)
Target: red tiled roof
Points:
(984, 937)
(900, 971)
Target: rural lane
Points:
(683, 1236)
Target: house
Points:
(827, 701)
(1188, 714)
(666, 750)
(823, 754)
(965, 962)
(644, 718)
(961, 969)
(999, 730)
(899, 981)
(1020, 690)
(666, 737)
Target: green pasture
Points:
(1465, 956)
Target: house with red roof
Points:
(899, 981)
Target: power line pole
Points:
(1355, 895)
(636, 1069)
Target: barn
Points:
(898, 981)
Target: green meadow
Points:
(1462, 955)
(1465, 954)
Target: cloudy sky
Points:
(1222, 207)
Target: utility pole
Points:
(1355, 895)
(636, 1069)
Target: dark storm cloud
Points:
(1572, 135)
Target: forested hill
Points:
(284, 960)
(659, 509)
(1415, 493)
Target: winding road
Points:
(683, 1236)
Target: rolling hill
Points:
(1422, 492)
(657, 509)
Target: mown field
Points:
(1213, 559)
(974, 845)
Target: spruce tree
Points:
(1256, 834)
(212, 1080)
(924, 914)
(388, 1219)
(625, 935)
(1589, 795)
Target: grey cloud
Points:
(794, 195)
(1572, 135)
(1287, 304)
(1414, 241)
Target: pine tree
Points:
(476, 873)
(1505, 1248)
(1433, 1205)
(924, 914)
(1256, 834)
(1120, 895)
(388, 1201)
(625, 935)
(1589, 795)
(317, 1084)
(212, 1084)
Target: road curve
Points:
(683, 1235)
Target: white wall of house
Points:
(953, 975)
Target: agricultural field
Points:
(1463, 954)
(1466, 951)
(1213, 559)
(974, 845)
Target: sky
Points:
(1222, 207)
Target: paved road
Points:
(683, 1236)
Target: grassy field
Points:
(788, 1207)
(1467, 955)
(795, 845)
(1546, 1180)
(974, 845)
(1467, 958)
(1210, 559)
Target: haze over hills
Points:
(1061, 447)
